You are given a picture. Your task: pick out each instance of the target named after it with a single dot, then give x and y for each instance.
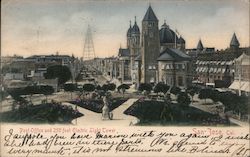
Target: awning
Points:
(219, 70)
(211, 70)
(243, 85)
(223, 63)
(215, 70)
(223, 70)
(229, 62)
(205, 69)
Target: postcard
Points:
(125, 78)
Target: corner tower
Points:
(150, 47)
(134, 49)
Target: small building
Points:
(174, 68)
(14, 76)
(125, 66)
(241, 81)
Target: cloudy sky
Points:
(45, 27)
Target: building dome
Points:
(166, 34)
(135, 29)
(181, 40)
(129, 30)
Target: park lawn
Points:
(42, 113)
(152, 112)
(97, 105)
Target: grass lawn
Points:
(42, 113)
(152, 112)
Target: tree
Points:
(183, 99)
(243, 105)
(123, 87)
(205, 93)
(175, 90)
(16, 95)
(32, 90)
(161, 87)
(46, 90)
(191, 92)
(214, 95)
(70, 87)
(58, 71)
(194, 88)
(234, 102)
(111, 86)
(145, 87)
(98, 87)
(105, 87)
(88, 88)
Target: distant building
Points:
(124, 65)
(49, 82)
(241, 81)
(146, 50)
(174, 68)
(6, 60)
(217, 66)
(13, 76)
(162, 57)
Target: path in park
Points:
(95, 119)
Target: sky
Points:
(45, 27)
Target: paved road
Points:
(95, 119)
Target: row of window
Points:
(170, 66)
(151, 67)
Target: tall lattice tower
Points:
(88, 50)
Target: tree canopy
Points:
(88, 87)
(58, 71)
(109, 86)
(70, 87)
(145, 87)
(175, 90)
(183, 99)
(161, 87)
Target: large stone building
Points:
(162, 57)
(216, 67)
(33, 68)
(152, 55)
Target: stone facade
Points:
(216, 66)
(150, 47)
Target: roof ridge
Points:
(150, 15)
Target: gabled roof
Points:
(150, 15)
(129, 30)
(200, 45)
(123, 52)
(234, 41)
(135, 29)
(170, 54)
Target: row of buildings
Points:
(17, 70)
(159, 55)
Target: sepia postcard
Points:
(125, 78)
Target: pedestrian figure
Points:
(105, 109)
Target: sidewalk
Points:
(240, 123)
(95, 119)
